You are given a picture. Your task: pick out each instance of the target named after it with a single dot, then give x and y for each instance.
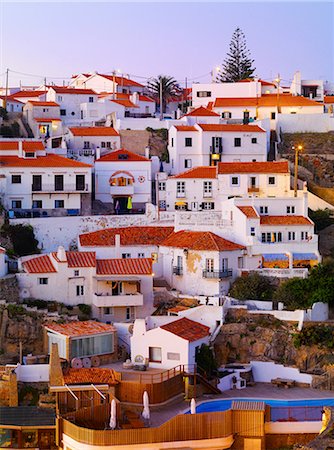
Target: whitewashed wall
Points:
(264, 372)
(33, 373)
(306, 123)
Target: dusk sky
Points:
(56, 40)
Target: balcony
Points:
(177, 270)
(66, 188)
(181, 194)
(105, 300)
(253, 189)
(122, 190)
(207, 194)
(217, 273)
(216, 150)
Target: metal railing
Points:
(177, 270)
(63, 188)
(216, 149)
(294, 414)
(217, 273)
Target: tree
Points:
(170, 89)
(252, 287)
(3, 113)
(238, 63)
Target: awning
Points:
(275, 257)
(305, 256)
(180, 203)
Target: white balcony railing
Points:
(47, 188)
(181, 194)
(122, 190)
(105, 300)
(282, 273)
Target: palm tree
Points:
(170, 89)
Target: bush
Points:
(39, 304)
(252, 287)
(206, 361)
(321, 335)
(15, 310)
(23, 239)
(3, 113)
(321, 218)
(85, 309)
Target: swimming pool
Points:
(281, 410)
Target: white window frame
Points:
(235, 177)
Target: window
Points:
(207, 188)
(130, 313)
(43, 280)
(304, 235)
(16, 179)
(141, 255)
(63, 112)
(180, 188)
(187, 164)
(237, 142)
(188, 142)
(45, 109)
(59, 203)
(16, 204)
(80, 182)
(86, 144)
(108, 311)
(80, 290)
(108, 144)
(126, 255)
(254, 140)
(76, 273)
(155, 354)
(226, 115)
(224, 264)
(37, 204)
(291, 236)
(208, 205)
(273, 116)
(162, 185)
(103, 145)
(290, 209)
(29, 154)
(271, 180)
(235, 181)
(209, 264)
(240, 262)
(172, 142)
(173, 356)
(180, 262)
(37, 182)
(252, 231)
(263, 209)
(204, 94)
(59, 182)
(162, 205)
(271, 237)
(59, 98)
(90, 99)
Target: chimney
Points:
(135, 98)
(147, 151)
(61, 254)
(97, 153)
(20, 149)
(117, 246)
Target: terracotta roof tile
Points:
(198, 172)
(187, 329)
(266, 100)
(185, 128)
(49, 160)
(329, 99)
(93, 131)
(231, 128)
(122, 155)
(124, 266)
(129, 236)
(26, 145)
(84, 328)
(90, 376)
(178, 308)
(200, 240)
(121, 80)
(72, 91)
(78, 259)
(27, 94)
(285, 220)
(201, 111)
(36, 103)
(39, 264)
(249, 211)
(46, 119)
(126, 103)
(254, 167)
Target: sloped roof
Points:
(266, 100)
(249, 211)
(185, 128)
(198, 172)
(72, 91)
(121, 80)
(85, 328)
(253, 167)
(93, 131)
(39, 264)
(236, 128)
(126, 103)
(201, 111)
(49, 160)
(26, 145)
(124, 266)
(200, 240)
(187, 329)
(27, 94)
(36, 103)
(122, 155)
(285, 220)
(78, 259)
(93, 375)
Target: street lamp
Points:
(297, 150)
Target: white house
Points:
(25, 96)
(123, 179)
(111, 83)
(118, 290)
(3, 263)
(36, 183)
(168, 345)
(206, 144)
(43, 117)
(313, 89)
(12, 105)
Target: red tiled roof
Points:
(185, 128)
(178, 308)
(201, 111)
(249, 211)
(78, 259)
(235, 101)
(73, 91)
(49, 160)
(145, 98)
(126, 103)
(84, 328)
(266, 100)
(36, 103)
(10, 99)
(285, 220)
(93, 131)
(198, 172)
(46, 119)
(26, 145)
(27, 94)
(114, 156)
(264, 83)
(200, 240)
(187, 329)
(254, 167)
(39, 264)
(121, 80)
(231, 127)
(90, 376)
(124, 266)
(128, 235)
(329, 99)
(210, 106)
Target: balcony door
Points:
(224, 265)
(59, 182)
(80, 182)
(37, 182)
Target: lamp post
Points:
(297, 149)
(278, 81)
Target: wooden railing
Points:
(180, 428)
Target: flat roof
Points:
(27, 416)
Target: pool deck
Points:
(160, 414)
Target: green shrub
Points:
(15, 310)
(321, 335)
(206, 361)
(252, 287)
(85, 309)
(321, 218)
(23, 239)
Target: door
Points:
(194, 206)
(80, 182)
(37, 182)
(246, 117)
(253, 182)
(59, 182)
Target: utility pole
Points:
(186, 83)
(6, 94)
(278, 81)
(297, 149)
(161, 105)
(113, 84)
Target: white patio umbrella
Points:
(112, 423)
(146, 410)
(193, 406)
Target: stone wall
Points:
(8, 389)
(9, 289)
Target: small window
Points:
(108, 311)
(76, 273)
(180, 187)
(162, 205)
(162, 185)
(90, 99)
(271, 180)
(207, 188)
(80, 290)
(141, 255)
(173, 356)
(235, 181)
(16, 179)
(226, 115)
(29, 154)
(37, 204)
(263, 209)
(252, 231)
(290, 209)
(204, 94)
(273, 116)
(237, 142)
(43, 280)
(63, 112)
(187, 164)
(72, 113)
(59, 98)
(45, 109)
(103, 145)
(86, 144)
(172, 142)
(59, 203)
(126, 255)
(16, 204)
(155, 354)
(209, 265)
(188, 142)
(304, 235)
(291, 236)
(108, 144)
(254, 140)
(208, 205)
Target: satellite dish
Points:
(76, 363)
(86, 362)
(95, 361)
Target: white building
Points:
(313, 89)
(123, 179)
(12, 105)
(25, 96)
(118, 290)
(108, 83)
(3, 263)
(206, 144)
(168, 345)
(43, 118)
(36, 183)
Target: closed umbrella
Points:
(193, 406)
(112, 423)
(129, 204)
(146, 410)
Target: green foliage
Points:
(238, 63)
(39, 304)
(23, 239)
(252, 287)
(12, 130)
(321, 218)
(320, 335)
(85, 309)
(3, 113)
(206, 361)
(15, 310)
(170, 89)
